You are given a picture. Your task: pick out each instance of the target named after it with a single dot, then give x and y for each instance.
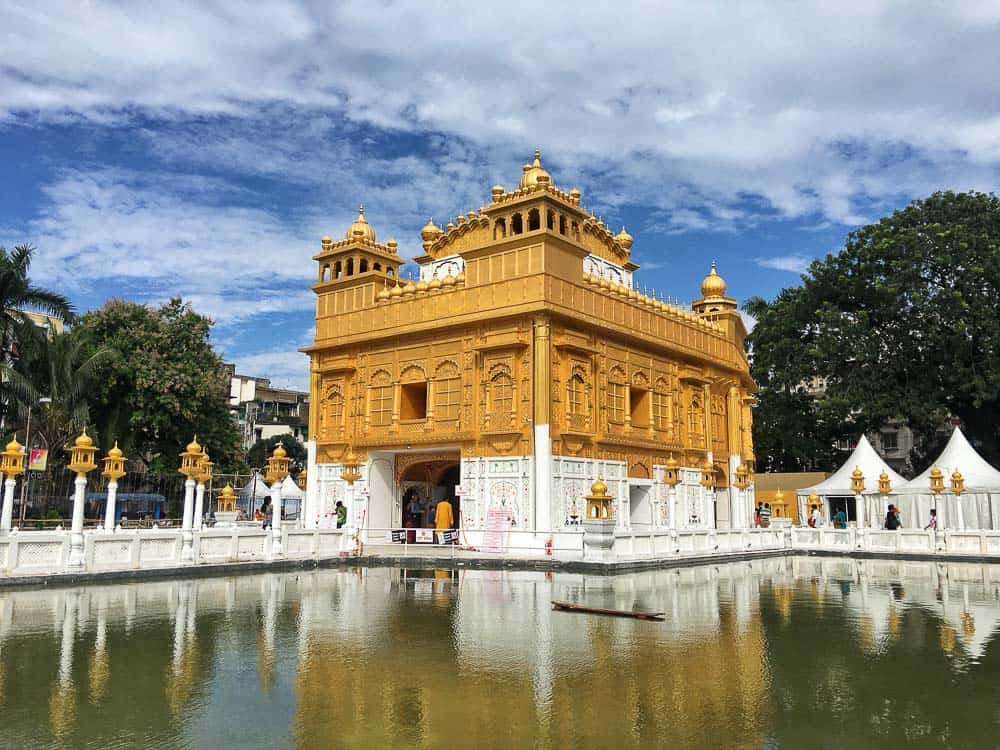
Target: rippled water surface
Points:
(783, 653)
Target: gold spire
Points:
(533, 171)
(624, 239)
(713, 285)
(360, 229)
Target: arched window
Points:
(377, 267)
(499, 229)
(516, 224)
(576, 395)
(332, 414)
(350, 266)
(696, 421)
(447, 391)
(575, 227)
(550, 220)
(534, 220)
(501, 398)
(391, 271)
(338, 270)
(363, 265)
(380, 405)
(661, 406)
(325, 273)
(562, 224)
(616, 396)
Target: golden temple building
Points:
(519, 367)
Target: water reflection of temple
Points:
(373, 657)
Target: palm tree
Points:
(63, 370)
(18, 296)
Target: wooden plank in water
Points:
(571, 607)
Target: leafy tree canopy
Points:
(262, 449)
(903, 323)
(166, 384)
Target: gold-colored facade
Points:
(523, 337)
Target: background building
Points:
(262, 411)
(518, 368)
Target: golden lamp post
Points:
(812, 501)
(671, 478)
(741, 482)
(599, 522)
(189, 467)
(708, 483)
(114, 469)
(277, 470)
(884, 488)
(957, 488)
(203, 477)
(857, 487)
(82, 463)
(11, 464)
(225, 507)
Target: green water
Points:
(783, 653)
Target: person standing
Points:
(444, 518)
(840, 520)
(756, 516)
(341, 514)
(891, 518)
(268, 509)
(815, 518)
(932, 524)
(765, 515)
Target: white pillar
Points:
(109, 510)
(960, 514)
(276, 549)
(187, 548)
(8, 504)
(543, 479)
(310, 506)
(76, 530)
(859, 507)
(199, 506)
(672, 500)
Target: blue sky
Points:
(202, 149)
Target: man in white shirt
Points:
(816, 517)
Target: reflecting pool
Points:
(783, 653)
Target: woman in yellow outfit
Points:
(443, 518)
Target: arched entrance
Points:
(423, 481)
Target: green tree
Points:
(903, 323)
(166, 385)
(19, 296)
(261, 450)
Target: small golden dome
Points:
(115, 452)
(431, 231)
(883, 477)
(228, 491)
(779, 496)
(435, 283)
(533, 171)
(936, 473)
(84, 441)
(383, 294)
(421, 286)
(672, 463)
(410, 289)
(956, 475)
(396, 291)
(460, 279)
(193, 446)
(449, 280)
(624, 239)
(326, 240)
(279, 451)
(599, 488)
(13, 446)
(713, 285)
(360, 229)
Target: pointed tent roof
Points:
(979, 475)
(290, 490)
(871, 464)
(255, 487)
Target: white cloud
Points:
(791, 263)
(682, 102)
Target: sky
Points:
(202, 149)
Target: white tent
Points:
(291, 498)
(979, 506)
(835, 490)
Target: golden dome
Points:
(421, 286)
(431, 231)
(936, 473)
(383, 294)
(326, 240)
(533, 171)
(227, 491)
(84, 441)
(115, 452)
(713, 284)
(396, 291)
(599, 488)
(435, 283)
(883, 477)
(193, 446)
(672, 463)
(857, 473)
(13, 446)
(360, 229)
(279, 451)
(449, 280)
(956, 476)
(624, 239)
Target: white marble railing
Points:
(47, 552)
(902, 541)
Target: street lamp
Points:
(190, 469)
(114, 469)
(203, 476)
(884, 488)
(277, 470)
(82, 462)
(857, 487)
(957, 487)
(11, 464)
(741, 482)
(671, 479)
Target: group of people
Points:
(892, 522)
(762, 516)
(418, 514)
